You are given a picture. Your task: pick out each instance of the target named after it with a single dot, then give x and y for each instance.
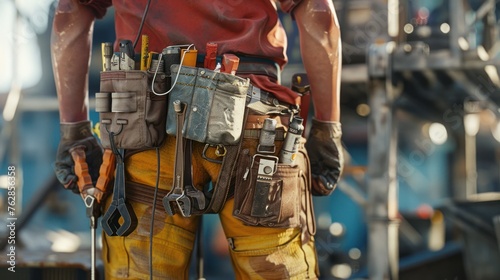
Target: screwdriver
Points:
(92, 196)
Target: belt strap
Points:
(264, 103)
(144, 194)
(255, 134)
(258, 68)
(252, 65)
(221, 189)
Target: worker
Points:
(247, 29)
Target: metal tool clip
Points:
(267, 136)
(268, 166)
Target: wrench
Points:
(119, 207)
(176, 198)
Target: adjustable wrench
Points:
(177, 195)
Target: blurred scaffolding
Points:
(425, 76)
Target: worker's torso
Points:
(247, 27)
(239, 27)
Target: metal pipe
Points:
(382, 208)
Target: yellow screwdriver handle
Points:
(145, 52)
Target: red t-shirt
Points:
(237, 26)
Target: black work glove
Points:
(325, 151)
(72, 135)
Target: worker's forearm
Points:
(70, 49)
(321, 55)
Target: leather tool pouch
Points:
(280, 201)
(130, 109)
(215, 105)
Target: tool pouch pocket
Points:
(215, 104)
(278, 202)
(130, 111)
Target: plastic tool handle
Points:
(106, 172)
(145, 52)
(85, 183)
(81, 168)
(230, 63)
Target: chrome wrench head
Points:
(174, 201)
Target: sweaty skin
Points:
(321, 47)
(70, 46)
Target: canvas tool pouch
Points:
(280, 200)
(128, 108)
(215, 104)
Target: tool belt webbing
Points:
(144, 194)
(252, 65)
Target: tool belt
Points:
(131, 115)
(214, 107)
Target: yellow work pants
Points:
(256, 252)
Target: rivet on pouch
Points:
(268, 169)
(195, 108)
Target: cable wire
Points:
(176, 76)
(146, 9)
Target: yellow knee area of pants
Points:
(273, 256)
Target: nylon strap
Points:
(221, 189)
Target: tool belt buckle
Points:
(266, 149)
(220, 151)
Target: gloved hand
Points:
(325, 151)
(72, 135)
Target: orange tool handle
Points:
(230, 63)
(81, 168)
(106, 172)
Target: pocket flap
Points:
(123, 102)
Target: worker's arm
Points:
(70, 48)
(320, 45)
(321, 55)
